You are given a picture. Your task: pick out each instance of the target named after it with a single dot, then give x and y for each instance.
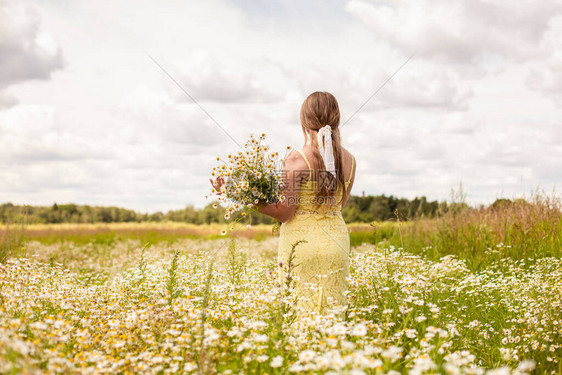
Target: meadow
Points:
(470, 292)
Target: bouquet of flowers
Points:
(249, 177)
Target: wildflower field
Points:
(165, 310)
(214, 306)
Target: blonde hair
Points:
(318, 110)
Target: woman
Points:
(318, 181)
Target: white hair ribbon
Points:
(324, 138)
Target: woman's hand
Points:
(217, 185)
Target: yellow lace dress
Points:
(321, 264)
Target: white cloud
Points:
(30, 134)
(460, 31)
(426, 87)
(7, 99)
(474, 104)
(213, 77)
(546, 77)
(26, 51)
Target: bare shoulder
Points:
(296, 167)
(347, 155)
(294, 160)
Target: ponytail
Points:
(320, 109)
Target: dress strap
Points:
(352, 168)
(305, 159)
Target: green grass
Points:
(11, 243)
(111, 237)
(517, 230)
(378, 233)
(503, 300)
(12, 238)
(164, 301)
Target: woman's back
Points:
(321, 260)
(308, 200)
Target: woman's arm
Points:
(279, 211)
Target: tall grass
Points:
(110, 234)
(517, 229)
(12, 239)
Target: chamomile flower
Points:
(249, 176)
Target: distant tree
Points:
(366, 208)
(157, 216)
(501, 202)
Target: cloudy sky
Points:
(86, 116)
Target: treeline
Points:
(358, 209)
(380, 208)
